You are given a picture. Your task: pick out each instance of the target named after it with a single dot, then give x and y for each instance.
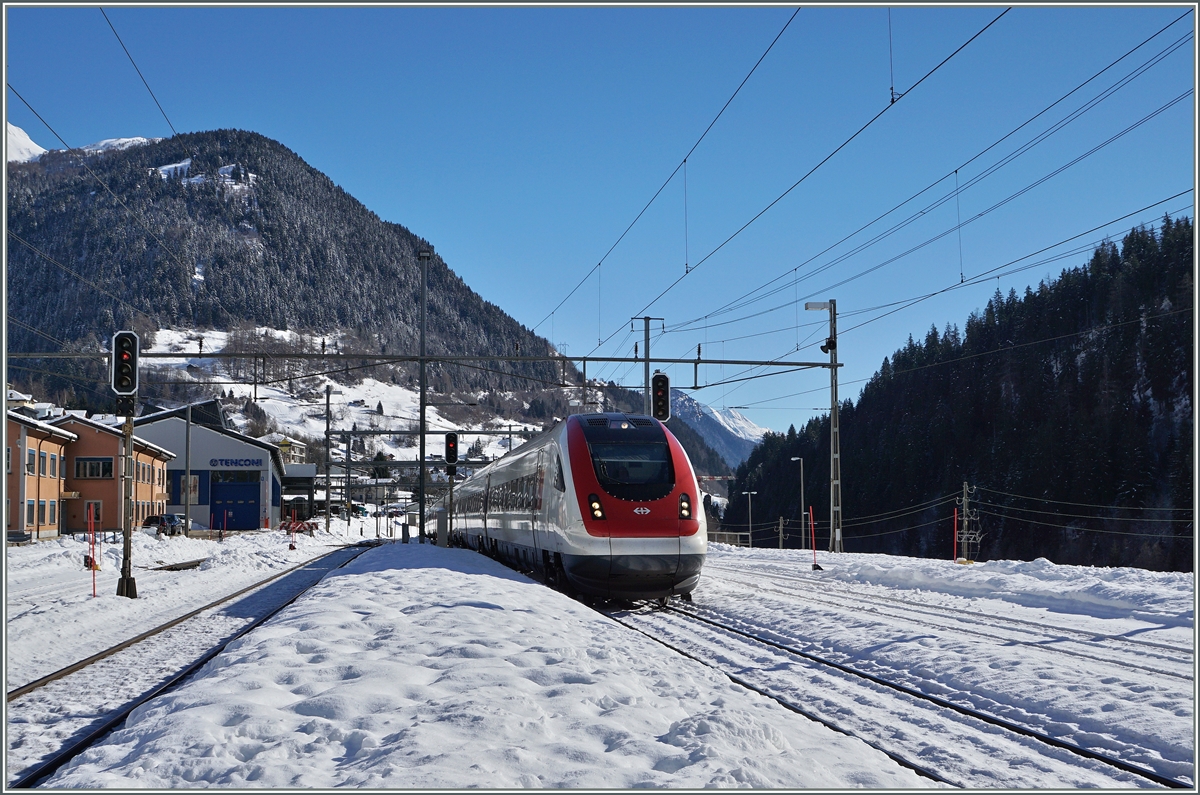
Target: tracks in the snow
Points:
(920, 730)
(55, 718)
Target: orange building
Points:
(94, 471)
(34, 466)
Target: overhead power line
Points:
(1082, 529)
(1078, 504)
(103, 184)
(1004, 349)
(1138, 71)
(1080, 515)
(76, 274)
(797, 183)
(673, 173)
(975, 279)
(174, 133)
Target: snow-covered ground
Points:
(420, 667)
(352, 405)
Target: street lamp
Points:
(750, 510)
(802, 509)
(835, 443)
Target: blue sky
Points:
(523, 141)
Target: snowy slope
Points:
(111, 144)
(419, 667)
(351, 406)
(21, 148)
(726, 430)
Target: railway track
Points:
(919, 730)
(1175, 661)
(55, 718)
(1185, 653)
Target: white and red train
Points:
(606, 505)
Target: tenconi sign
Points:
(235, 462)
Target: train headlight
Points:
(685, 506)
(595, 507)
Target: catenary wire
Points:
(977, 216)
(977, 278)
(993, 351)
(806, 176)
(103, 184)
(1083, 529)
(139, 73)
(77, 275)
(673, 173)
(1077, 504)
(737, 303)
(1082, 516)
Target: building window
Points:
(53, 466)
(29, 506)
(54, 512)
(41, 511)
(30, 462)
(95, 506)
(93, 468)
(42, 463)
(7, 460)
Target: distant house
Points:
(18, 400)
(34, 469)
(293, 450)
(96, 475)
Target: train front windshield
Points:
(634, 470)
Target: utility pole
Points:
(424, 257)
(328, 474)
(803, 543)
(123, 378)
(750, 511)
(968, 539)
(835, 439)
(646, 382)
(781, 532)
(349, 500)
(187, 471)
(127, 586)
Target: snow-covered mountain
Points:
(21, 148)
(109, 144)
(725, 430)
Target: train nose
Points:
(636, 569)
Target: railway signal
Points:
(660, 397)
(123, 369)
(452, 448)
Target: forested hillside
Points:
(231, 230)
(227, 228)
(1068, 409)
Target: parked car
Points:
(168, 524)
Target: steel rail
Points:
(84, 663)
(921, 614)
(941, 702)
(933, 609)
(31, 777)
(786, 704)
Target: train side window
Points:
(559, 482)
